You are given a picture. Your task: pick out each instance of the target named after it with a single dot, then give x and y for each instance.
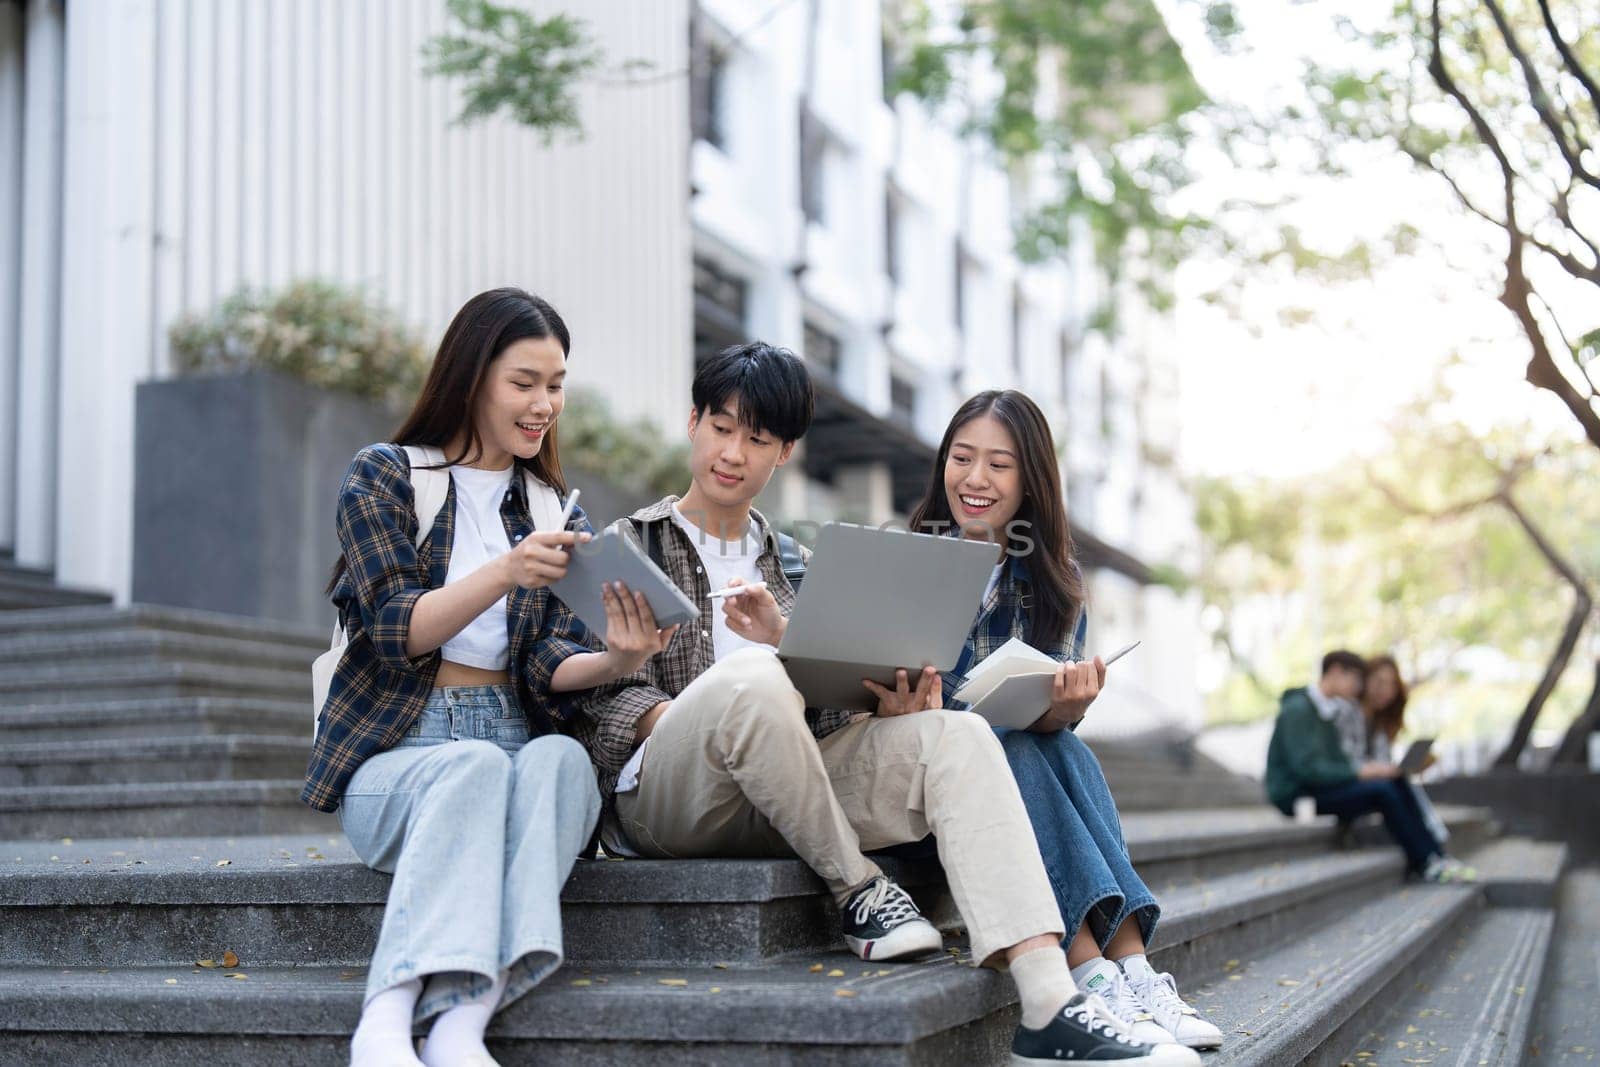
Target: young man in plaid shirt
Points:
(709, 751)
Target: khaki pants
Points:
(732, 770)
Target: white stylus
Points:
(571, 506)
(1119, 653)
(753, 587)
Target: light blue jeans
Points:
(480, 827)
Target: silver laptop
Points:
(877, 600)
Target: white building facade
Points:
(741, 175)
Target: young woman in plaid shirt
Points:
(436, 744)
(997, 479)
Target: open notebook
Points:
(1011, 687)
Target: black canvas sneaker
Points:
(1085, 1032)
(882, 923)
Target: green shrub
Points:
(318, 331)
(631, 455)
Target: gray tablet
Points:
(1416, 756)
(876, 600)
(610, 557)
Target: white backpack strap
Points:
(544, 503)
(430, 484)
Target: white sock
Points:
(1136, 966)
(457, 1034)
(383, 1037)
(1043, 983)
(1084, 972)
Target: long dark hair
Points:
(485, 327)
(1391, 718)
(1057, 593)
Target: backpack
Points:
(430, 486)
(789, 558)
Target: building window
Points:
(720, 297)
(902, 400)
(1064, 357)
(891, 236)
(708, 70)
(1018, 319)
(822, 350)
(960, 296)
(813, 158)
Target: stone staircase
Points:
(30, 587)
(149, 766)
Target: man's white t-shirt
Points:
(722, 561)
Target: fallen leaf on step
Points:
(1288, 982)
(844, 992)
(229, 959)
(1411, 1029)
(224, 863)
(1230, 965)
(884, 972)
(581, 981)
(720, 966)
(815, 968)
(172, 981)
(836, 973)
(714, 989)
(672, 981)
(236, 974)
(205, 963)
(66, 840)
(1234, 977)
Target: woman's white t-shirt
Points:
(480, 537)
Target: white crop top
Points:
(480, 536)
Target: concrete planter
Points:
(236, 478)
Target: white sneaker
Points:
(1157, 993)
(1106, 981)
(1448, 869)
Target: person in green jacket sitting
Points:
(1306, 759)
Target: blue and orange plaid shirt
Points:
(378, 691)
(1004, 615)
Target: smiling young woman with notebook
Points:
(996, 479)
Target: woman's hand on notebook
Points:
(1074, 689)
(754, 616)
(903, 699)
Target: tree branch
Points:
(1550, 313)
(1542, 371)
(1590, 85)
(1539, 98)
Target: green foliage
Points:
(509, 59)
(1111, 124)
(631, 455)
(317, 331)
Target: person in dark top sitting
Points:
(1307, 759)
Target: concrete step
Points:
(159, 717)
(1565, 1031)
(937, 1012)
(285, 900)
(104, 646)
(1476, 1004)
(159, 759)
(156, 809)
(29, 588)
(1518, 872)
(78, 683)
(1307, 1001)
(172, 620)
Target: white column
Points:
(107, 269)
(39, 314)
(11, 168)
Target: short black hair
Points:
(1346, 659)
(772, 385)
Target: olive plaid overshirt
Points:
(378, 691)
(608, 716)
